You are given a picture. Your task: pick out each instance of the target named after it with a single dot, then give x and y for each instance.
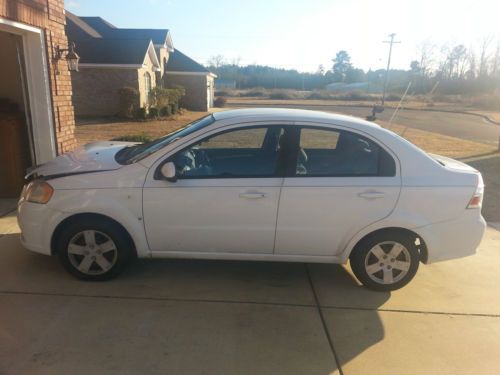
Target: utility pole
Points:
(391, 42)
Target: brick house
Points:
(36, 111)
(113, 58)
(195, 78)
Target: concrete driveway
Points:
(211, 317)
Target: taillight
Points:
(477, 199)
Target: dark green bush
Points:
(174, 108)
(153, 112)
(220, 102)
(141, 113)
(128, 101)
(165, 111)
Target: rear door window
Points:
(339, 153)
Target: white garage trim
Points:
(37, 80)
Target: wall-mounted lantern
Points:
(71, 57)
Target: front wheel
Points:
(94, 250)
(385, 261)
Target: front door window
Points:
(242, 153)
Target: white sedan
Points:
(259, 185)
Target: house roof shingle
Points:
(77, 29)
(112, 51)
(179, 62)
(99, 42)
(107, 30)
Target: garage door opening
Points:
(16, 136)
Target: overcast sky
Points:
(304, 34)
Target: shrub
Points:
(258, 91)
(355, 95)
(174, 108)
(220, 102)
(175, 93)
(141, 113)
(142, 138)
(165, 111)
(320, 94)
(161, 97)
(283, 94)
(128, 101)
(393, 97)
(153, 112)
(158, 97)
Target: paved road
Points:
(469, 127)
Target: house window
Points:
(147, 85)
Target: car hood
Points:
(93, 157)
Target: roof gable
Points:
(179, 62)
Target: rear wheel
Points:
(385, 261)
(94, 249)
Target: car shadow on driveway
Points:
(248, 308)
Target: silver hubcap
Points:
(92, 252)
(387, 262)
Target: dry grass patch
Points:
(106, 131)
(440, 144)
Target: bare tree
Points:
(216, 61)
(483, 55)
(236, 61)
(425, 57)
(459, 56)
(472, 62)
(495, 63)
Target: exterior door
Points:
(225, 198)
(340, 183)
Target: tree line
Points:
(447, 69)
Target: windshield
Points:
(132, 154)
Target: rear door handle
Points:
(253, 195)
(371, 195)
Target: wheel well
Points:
(69, 220)
(419, 241)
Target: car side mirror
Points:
(169, 172)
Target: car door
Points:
(226, 195)
(339, 183)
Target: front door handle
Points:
(253, 195)
(371, 194)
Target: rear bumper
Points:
(453, 239)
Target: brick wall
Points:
(196, 90)
(49, 16)
(96, 90)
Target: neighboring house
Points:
(36, 111)
(113, 58)
(195, 78)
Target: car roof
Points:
(287, 114)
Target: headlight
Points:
(39, 191)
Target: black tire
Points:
(363, 257)
(103, 230)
